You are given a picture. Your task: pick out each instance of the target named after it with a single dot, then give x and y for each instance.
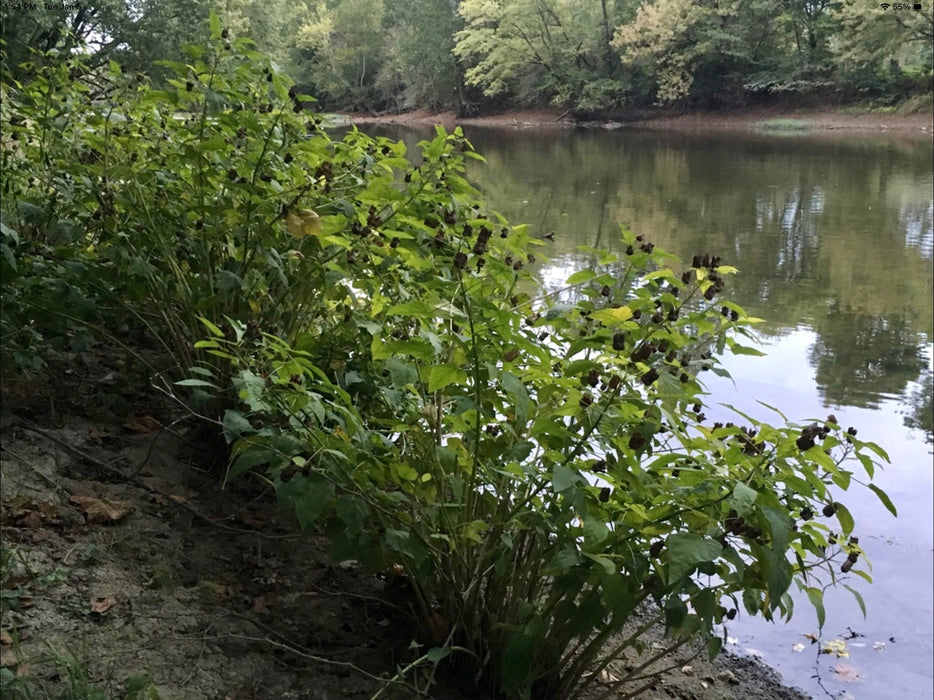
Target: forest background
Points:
(596, 59)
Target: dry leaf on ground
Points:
(97, 510)
(102, 604)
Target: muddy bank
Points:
(128, 567)
(762, 119)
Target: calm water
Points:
(834, 239)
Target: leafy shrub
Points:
(534, 465)
(538, 470)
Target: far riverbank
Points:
(749, 120)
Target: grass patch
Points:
(796, 125)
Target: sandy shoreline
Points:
(753, 119)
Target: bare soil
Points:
(128, 565)
(751, 119)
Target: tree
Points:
(345, 41)
(704, 49)
(539, 51)
(419, 68)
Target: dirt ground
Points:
(820, 120)
(129, 572)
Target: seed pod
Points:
(599, 466)
(614, 383)
(805, 442)
(510, 355)
(630, 250)
(847, 565)
(585, 400)
(853, 557)
(460, 260)
(650, 376)
(604, 494)
(605, 292)
(731, 615)
(619, 341)
(830, 509)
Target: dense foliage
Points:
(592, 57)
(535, 469)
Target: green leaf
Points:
(401, 373)
(196, 382)
(310, 497)
(816, 596)
(215, 331)
(845, 519)
(608, 565)
(235, 425)
(883, 496)
(581, 276)
(445, 375)
(519, 395)
(612, 316)
(684, 551)
(436, 654)
(714, 645)
(563, 478)
(743, 498)
(859, 599)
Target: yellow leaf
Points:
(303, 222)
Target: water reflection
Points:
(832, 232)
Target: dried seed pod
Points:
(656, 548)
(605, 494)
(649, 377)
(585, 400)
(619, 341)
(830, 509)
(460, 260)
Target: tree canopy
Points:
(380, 55)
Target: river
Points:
(833, 234)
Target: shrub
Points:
(535, 465)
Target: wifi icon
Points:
(884, 6)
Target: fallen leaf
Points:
(255, 521)
(97, 510)
(5, 638)
(30, 518)
(260, 605)
(687, 670)
(26, 601)
(837, 647)
(847, 673)
(812, 637)
(7, 658)
(143, 424)
(103, 604)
